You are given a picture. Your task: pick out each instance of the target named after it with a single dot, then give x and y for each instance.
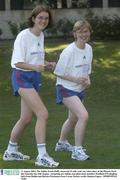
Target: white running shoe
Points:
(15, 156)
(66, 146)
(79, 154)
(46, 161)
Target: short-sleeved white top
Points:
(28, 48)
(75, 62)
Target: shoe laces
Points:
(18, 152)
(67, 144)
(81, 150)
(49, 161)
(46, 156)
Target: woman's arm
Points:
(50, 66)
(32, 67)
(78, 80)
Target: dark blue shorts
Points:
(25, 79)
(62, 92)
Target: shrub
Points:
(64, 26)
(1, 32)
(61, 28)
(13, 28)
(105, 28)
(22, 26)
(51, 31)
(16, 28)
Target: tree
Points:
(51, 3)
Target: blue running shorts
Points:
(25, 79)
(62, 92)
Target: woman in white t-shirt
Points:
(28, 63)
(72, 70)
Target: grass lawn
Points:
(102, 101)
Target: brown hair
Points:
(38, 9)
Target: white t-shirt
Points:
(75, 62)
(28, 48)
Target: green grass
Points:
(102, 101)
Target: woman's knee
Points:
(43, 115)
(26, 119)
(84, 115)
(72, 119)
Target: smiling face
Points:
(41, 20)
(82, 31)
(83, 34)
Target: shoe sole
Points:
(5, 159)
(59, 150)
(87, 158)
(16, 159)
(38, 164)
(63, 150)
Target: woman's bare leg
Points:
(75, 105)
(25, 119)
(67, 126)
(33, 100)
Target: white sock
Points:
(41, 149)
(12, 147)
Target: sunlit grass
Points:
(53, 49)
(49, 76)
(117, 54)
(106, 63)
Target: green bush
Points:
(105, 28)
(16, 28)
(64, 26)
(22, 26)
(1, 32)
(51, 31)
(13, 28)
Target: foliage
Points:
(51, 31)
(1, 31)
(62, 27)
(65, 27)
(105, 27)
(16, 28)
(13, 28)
(40, 1)
(22, 25)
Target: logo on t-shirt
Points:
(1, 171)
(84, 57)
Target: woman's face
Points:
(82, 34)
(41, 20)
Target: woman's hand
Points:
(85, 81)
(50, 66)
(39, 68)
(81, 80)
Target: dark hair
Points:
(38, 9)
